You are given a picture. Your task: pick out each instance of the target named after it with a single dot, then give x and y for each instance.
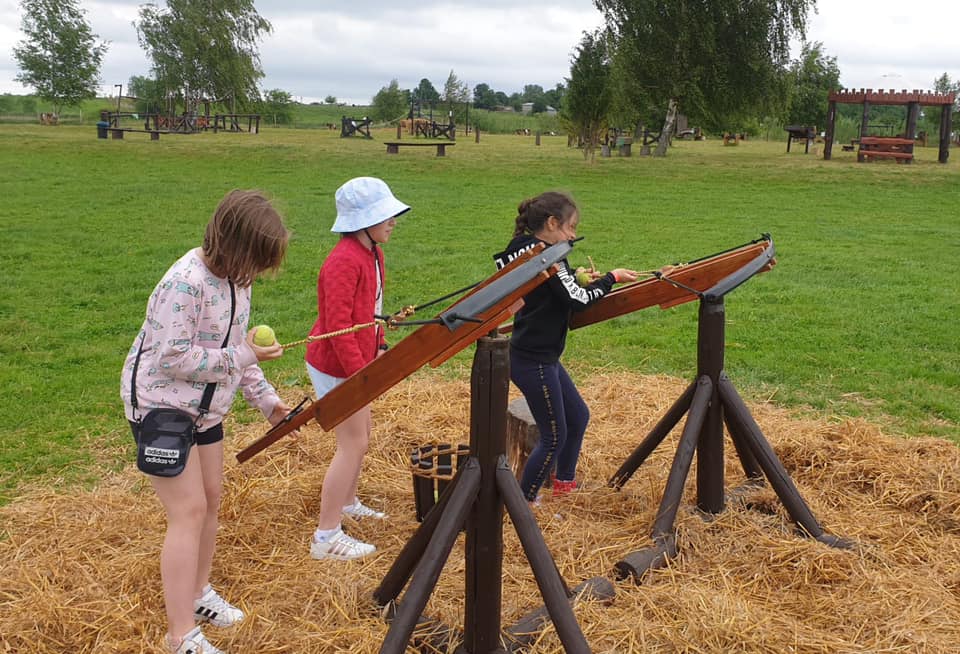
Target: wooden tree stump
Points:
(522, 436)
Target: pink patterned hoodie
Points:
(182, 335)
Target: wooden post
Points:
(538, 138)
(710, 352)
(913, 110)
(476, 134)
(399, 131)
(946, 119)
(865, 119)
(490, 381)
(831, 124)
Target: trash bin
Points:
(102, 129)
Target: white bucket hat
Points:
(364, 202)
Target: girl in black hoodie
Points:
(538, 338)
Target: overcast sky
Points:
(351, 50)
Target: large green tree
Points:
(484, 97)
(60, 57)
(812, 76)
(205, 49)
(391, 102)
(425, 94)
(587, 100)
(455, 91)
(277, 106)
(149, 96)
(717, 59)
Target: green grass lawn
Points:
(857, 318)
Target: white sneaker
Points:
(360, 510)
(194, 642)
(340, 547)
(217, 611)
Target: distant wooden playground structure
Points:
(899, 147)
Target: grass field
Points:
(857, 318)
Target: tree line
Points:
(392, 102)
(723, 64)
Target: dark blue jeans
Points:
(561, 416)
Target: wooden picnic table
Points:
(885, 147)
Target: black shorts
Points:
(207, 437)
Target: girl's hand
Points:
(622, 275)
(280, 411)
(264, 353)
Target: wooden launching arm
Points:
(473, 316)
(684, 283)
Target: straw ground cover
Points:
(81, 574)
(855, 322)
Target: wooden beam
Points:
(699, 275)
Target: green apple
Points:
(584, 278)
(264, 336)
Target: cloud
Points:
(352, 50)
(318, 51)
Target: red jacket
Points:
(346, 296)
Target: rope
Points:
(400, 317)
(339, 332)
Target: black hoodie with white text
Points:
(540, 327)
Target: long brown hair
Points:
(245, 237)
(532, 213)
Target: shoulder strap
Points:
(211, 387)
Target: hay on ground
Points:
(80, 568)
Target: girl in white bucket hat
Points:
(350, 293)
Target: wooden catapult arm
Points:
(480, 311)
(676, 287)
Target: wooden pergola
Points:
(913, 100)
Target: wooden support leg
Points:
(529, 627)
(748, 462)
(656, 436)
(398, 575)
(749, 431)
(435, 555)
(552, 586)
(673, 491)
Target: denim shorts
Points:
(322, 382)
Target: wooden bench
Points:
(117, 132)
(885, 147)
(393, 147)
(880, 154)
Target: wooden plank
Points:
(419, 143)
(885, 140)
(429, 342)
(883, 154)
(700, 276)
